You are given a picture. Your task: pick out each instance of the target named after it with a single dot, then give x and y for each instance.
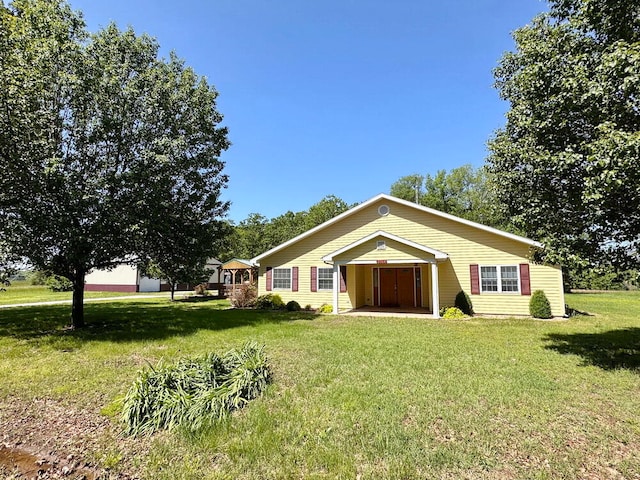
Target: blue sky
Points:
(337, 97)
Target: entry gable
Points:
(237, 264)
(438, 255)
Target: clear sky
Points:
(337, 97)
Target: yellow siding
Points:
(393, 251)
(464, 244)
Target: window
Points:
(325, 278)
(383, 210)
(281, 278)
(489, 276)
(381, 245)
(499, 279)
(509, 278)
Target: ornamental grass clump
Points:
(194, 393)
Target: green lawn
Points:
(22, 292)
(358, 397)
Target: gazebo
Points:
(238, 272)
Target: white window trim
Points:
(273, 279)
(318, 279)
(499, 278)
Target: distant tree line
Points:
(257, 234)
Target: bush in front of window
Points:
(463, 302)
(270, 301)
(264, 302)
(293, 306)
(539, 306)
(277, 302)
(453, 313)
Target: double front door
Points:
(398, 287)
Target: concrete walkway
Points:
(86, 300)
(389, 312)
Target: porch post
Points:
(336, 287)
(435, 291)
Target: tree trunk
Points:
(77, 308)
(173, 290)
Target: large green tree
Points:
(567, 161)
(106, 149)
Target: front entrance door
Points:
(397, 287)
(406, 287)
(388, 287)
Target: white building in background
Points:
(128, 278)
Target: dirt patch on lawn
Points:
(18, 463)
(47, 439)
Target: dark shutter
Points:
(343, 278)
(475, 279)
(269, 279)
(314, 279)
(294, 279)
(525, 279)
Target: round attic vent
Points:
(383, 210)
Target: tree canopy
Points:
(108, 153)
(566, 162)
(256, 234)
(463, 191)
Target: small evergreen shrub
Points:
(453, 313)
(539, 306)
(264, 302)
(244, 296)
(293, 306)
(56, 283)
(463, 302)
(324, 308)
(270, 301)
(194, 393)
(277, 302)
(308, 308)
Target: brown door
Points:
(405, 287)
(388, 287)
(397, 287)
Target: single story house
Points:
(391, 253)
(128, 278)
